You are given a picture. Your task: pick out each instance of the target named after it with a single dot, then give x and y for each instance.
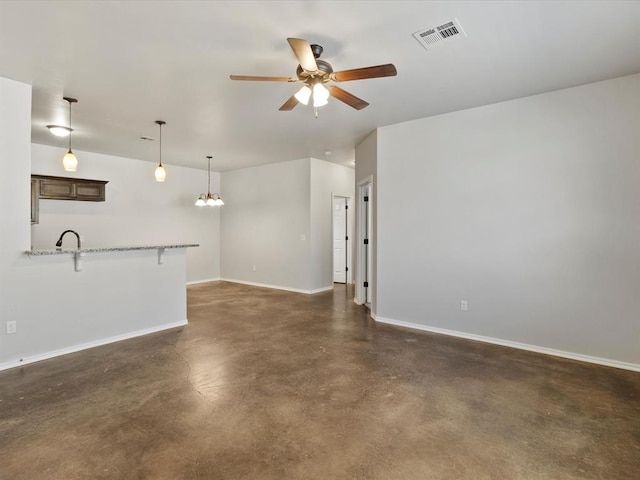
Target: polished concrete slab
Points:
(265, 384)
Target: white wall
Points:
(278, 217)
(367, 167)
(326, 179)
(527, 209)
(138, 210)
(265, 216)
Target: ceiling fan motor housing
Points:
(324, 71)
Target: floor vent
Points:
(433, 36)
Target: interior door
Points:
(339, 240)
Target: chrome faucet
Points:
(59, 242)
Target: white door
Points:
(339, 239)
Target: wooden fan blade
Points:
(262, 79)
(304, 54)
(289, 104)
(348, 98)
(387, 70)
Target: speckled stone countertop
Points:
(68, 251)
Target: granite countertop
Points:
(69, 251)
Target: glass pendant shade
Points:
(303, 95)
(70, 162)
(160, 173)
(200, 202)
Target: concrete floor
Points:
(265, 384)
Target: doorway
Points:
(341, 205)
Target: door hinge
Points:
(347, 237)
(366, 241)
(366, 199)
(346, 269)
(366, 284)
(346, 207)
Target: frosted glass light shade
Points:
(200, 202)
(70, 162)
(160, 173)
(320, 95)
(303, 95)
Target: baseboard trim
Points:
(508, 343)
(278, 287)
(84, 346)
(320, 290)
(206, 280)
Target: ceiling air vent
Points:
(433, 36)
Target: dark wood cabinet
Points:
(64, 188)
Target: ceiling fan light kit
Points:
(316, 73)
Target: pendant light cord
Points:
(160, 144)
(69, 125)
(209, 175)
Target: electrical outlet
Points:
(464, 305)
(255, 268)
(11, 327)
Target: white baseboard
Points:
(206, 280)
(83, 346)
(508, 343)
(278, 287)
(323, 289)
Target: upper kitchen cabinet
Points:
(64, 188)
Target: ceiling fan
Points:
(315, 73)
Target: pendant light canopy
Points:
(160, 173)
(69, 161)
(208, 199)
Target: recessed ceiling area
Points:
(131, 63)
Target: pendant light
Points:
(69, 161)
(160, 173)
(208, 199)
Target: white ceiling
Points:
(131, 63)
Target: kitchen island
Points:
(121, 292)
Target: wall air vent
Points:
(433, 36)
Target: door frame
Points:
(349, 242)
(365, 230)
